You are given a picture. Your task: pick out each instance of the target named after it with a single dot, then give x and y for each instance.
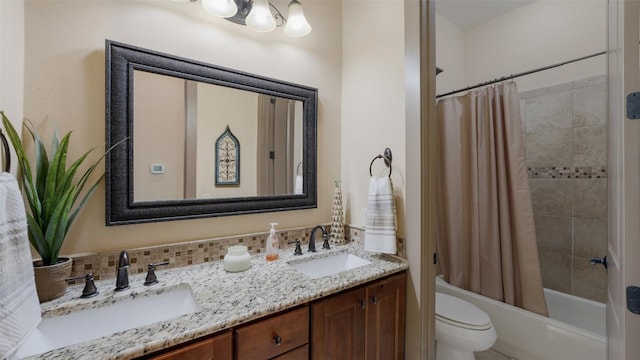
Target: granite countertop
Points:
(226, 300)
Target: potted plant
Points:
(53, 194)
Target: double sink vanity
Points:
(294, 308)
(339, 303)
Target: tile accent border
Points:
(569, 172)
(103, 265)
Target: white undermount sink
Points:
(128, 313)
(329, 265)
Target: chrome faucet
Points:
(312, 238)
(122, 274)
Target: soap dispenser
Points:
(272, 243)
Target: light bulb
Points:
(222, 8)
(297, 24)
(260, 18)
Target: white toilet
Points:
(461, 329)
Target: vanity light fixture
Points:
(260, 15)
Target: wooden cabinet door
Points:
(216, 348)
(338, 327)
(386, 318)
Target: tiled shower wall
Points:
(565, 139)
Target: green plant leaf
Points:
(55, 190)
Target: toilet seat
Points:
(460, 313)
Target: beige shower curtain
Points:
(486, 235)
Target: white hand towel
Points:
(380, 223)
(298, 186)
(19, 305)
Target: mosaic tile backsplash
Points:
(103, 265)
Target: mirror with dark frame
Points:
(178, 117)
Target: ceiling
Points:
(467, 14)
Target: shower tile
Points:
(591, 81)
(590, 199)
(523, 114)
(589, 237)
(550, 112)
(552, 196)
(589, 106)
(535, 93)
(553, 233)
(550, 148)
(589, 281)
(590, 146)
(556, 271)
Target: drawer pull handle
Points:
(363, 304)
(374, 300)
(277, 340)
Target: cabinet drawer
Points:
(216, 348)
(301, 353)
(274, 336)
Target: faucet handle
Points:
(325, 243)
(151, 274)
(298, 250)
(90, 289)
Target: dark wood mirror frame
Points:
(120, 62)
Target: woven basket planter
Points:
(51, 280)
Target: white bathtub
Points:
(576, 329)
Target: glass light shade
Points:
(222, 8)
(260, 18)
(297, 25)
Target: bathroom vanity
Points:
(361, 323)
(271, 311)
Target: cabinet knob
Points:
(277, 340)
(374, 300)
(363, 304)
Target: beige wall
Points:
(239, 110)
(373, 108)
(158, 136)
(12, 62)
(64, 84)
(450, 56)
(542, 33)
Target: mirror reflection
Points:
(177, 150)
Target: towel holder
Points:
(387, 157)
(7, 154)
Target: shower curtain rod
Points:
(520, 74)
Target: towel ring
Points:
(387, 157)
(298, 168)
(7, 154)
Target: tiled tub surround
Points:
(226, 299)
(565, 139)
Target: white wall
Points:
(450, 56)
(64, 84)
(12, 62)
(542, 33)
